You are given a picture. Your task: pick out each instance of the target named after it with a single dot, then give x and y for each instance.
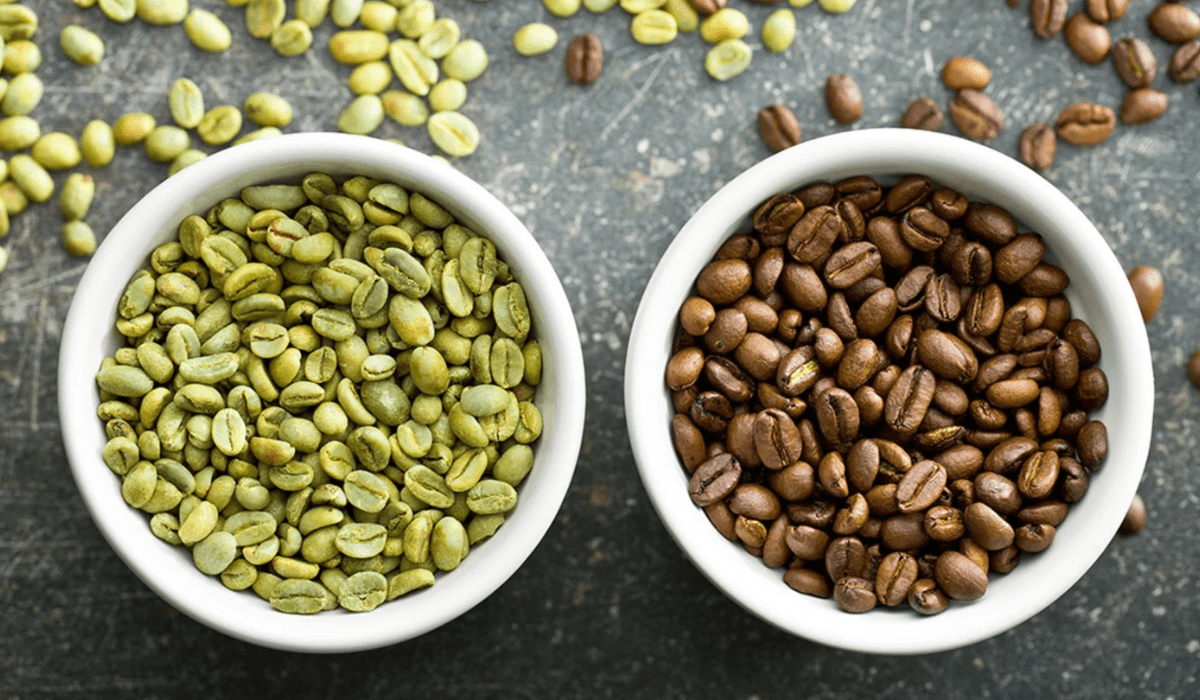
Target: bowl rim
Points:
(973, 168)
(562, 398)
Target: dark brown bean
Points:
(1092, 444)
(845, 556)
(987, 527)
(1038, 145)
(1135, 517)
(963, 72)
(793, 483)
(778, 127)
(752, 533)
(843, 98)
(975, 115)
(696, 315)
(1106, 11)
(1085, 124)
(1092, 389)
(584, 59)
(814, 234)
(1046, 17)
(837, 416)
(1038, 476)
(711, 411)
(926, 598)
(1142, 105)
(724, 281)
(777, 439)
(1173, 22)
(920, 487)
(854, 595)
(863, 191)
(1044, 512)
(1135, 62)
(714, 479)
(754, 501)
(723, 520)
(923, 113)
(896, 575)
(990, 223)
(808, 582)
(1034, 537)
(1003, 561)
(684, 368)
(1185, 62)
(1087, 38)
(1147, 285)
(729, 378)
(814, 512)
(959, 577)
(998, 492)
(688, 441)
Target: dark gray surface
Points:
(604, 176)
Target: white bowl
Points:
(1098, 293)
(89, 336)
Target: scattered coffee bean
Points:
(1038, 145)
(1174, 22)
(1047, 16)
(1135, 62)
(584, 60)
(923, 113)
(843, 98)
(1135, 518)
(976, 116)
(962, 72)
(1087, 38)
(1193, 369)
(1147, 284)
(778, 127)
(1105, 11)
(1142, 105)
(1185, 62)
(1085, 124)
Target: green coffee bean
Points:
(491, 496)
(190, 156)
(24, 93)
(291, 38)
(162, 12)
(78, 239)
(779, 30)
(416, 71)
(356, 46)
(312, 12)
(362, 116)
(728, 59)
(300, 596)
(448, 544)
(166, 142)
(165, 527)
(31, 177)
(56, 151)
(416, 18)
(562, 8)
(96, 142)
(360, 540)
(132, 128)
(378, 15)
(370, 78)
(635, 7)
(599, 6)
(837, 7)
(120, 454)
(278, 197)
(239, 575)
(80, 45)
(408, 581)
(266, 109)
(654, 27)
(514, 464)
(207, 32)
(440, 38)
(454, 133)
(530, 427)
(345, 12)
(404, 108)
(219, 125)
(686, 17)
(18, 133)
(121, 11)
(215, 552)
(364, 591)
(534, 38)
(290, 568)
(511, 310)
(726, 23)
(264, 17)
(17, 22)
(466, 61)
(199, 524)
(186, 103)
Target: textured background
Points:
(604, 176)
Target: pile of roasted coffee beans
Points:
(882, 391)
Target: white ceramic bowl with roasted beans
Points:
(89, 336)
(1098, 294)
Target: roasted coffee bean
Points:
(911, 191)
(963, 72)
(803, 288)
(1135, 517)
(1147, 285)
(947, 356)
(1106, 11)
(688, 441)
(910, 289)
(726, 332)
(840, 317)
(777, 438)
(696, 315)
(908, 401)
(778, 215)
(723, 520)
(812, 450)
(987, 527)
(792, 483)
(1049, 410)
(1087, 38)
(923, 113)
(1045, 280)
(739, 440)
(775, 551)
(949, 204)
(752, 533)
(758, 356)
(1173, 22)
(845, 556)
(1135, 62)
(896, 574)
(1019, 257)
(860, 361)
(813, 235)
(1091, 391)
(1038, 145)
(743, 246)
(584, 59)
(754, 501)
(864, 192)
(1092, 444)
(1084, 124)
(714, 479)
(944, 523)
(876, 312)
(926, 598)
(959, 577)
(990, 223)
(843, 99)
(975, 115)
(1142, 105)
(884, 232)
(943, 299)
(778, 127)
(853, 517)
(1046, 17)
(1044, 512)
(1012, 393)
(905, 531)
(798, 371)
(971, 265)
(724, 281)
(851, 264)
(960, 461)
(760, 317)
(1193, 369)
(808, 581)
(814, 512)
(684, 368)
(854, 595)
(831, 473)
(1081, 337)
(920, 487)
(1038, 475)
(923, 230)
(998, 492)
(1034, 537)
(816, 194)
(711, 411)
(837, 416)
(1003, 561)
(1185, 62)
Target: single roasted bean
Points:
(1135, 62)
(843, 99)
(1046, 17)
(975, 115)
(778, 127)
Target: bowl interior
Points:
(89, 336)
(1098, 294)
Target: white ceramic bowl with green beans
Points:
(382, 350)
(1098, 294)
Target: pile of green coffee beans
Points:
(326, 393)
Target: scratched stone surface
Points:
(604, 176)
